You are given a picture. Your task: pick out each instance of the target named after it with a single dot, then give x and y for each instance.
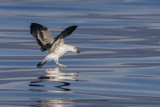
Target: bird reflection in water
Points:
(52, 77)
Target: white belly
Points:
(60, 51)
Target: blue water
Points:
(119, 61)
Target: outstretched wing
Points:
(42, 36)
(58, 40)
(65, 32)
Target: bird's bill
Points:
(77, 51)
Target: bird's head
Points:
(74, 49)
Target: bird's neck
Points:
(68, 47)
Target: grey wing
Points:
(58, 40)
(42, 36)
(65, 32)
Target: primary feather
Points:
(42, 36)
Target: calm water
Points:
(119, 63)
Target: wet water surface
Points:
(119, 63)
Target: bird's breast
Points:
(60, 51)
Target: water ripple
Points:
(118, 63)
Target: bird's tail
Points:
(40, 64)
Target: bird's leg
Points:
(60, 64)
(56, 60)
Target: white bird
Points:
(55, 46)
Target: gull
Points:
(55, 46)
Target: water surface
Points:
(119, 61)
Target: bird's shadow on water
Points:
(53, 80)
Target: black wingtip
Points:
(39, 65)
(70, 29)
(36, 26)
(32, 27)
(74, 26)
